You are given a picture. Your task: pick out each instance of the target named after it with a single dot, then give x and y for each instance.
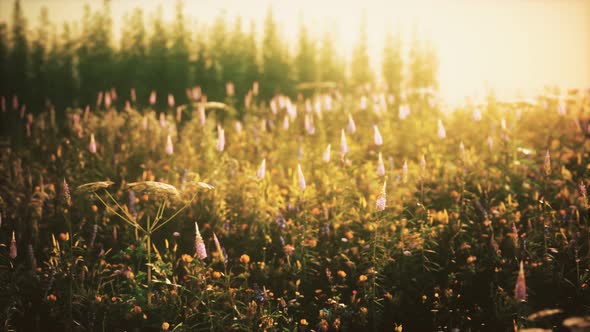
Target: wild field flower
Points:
(377, 136)
(343, 145)
(171, 101)
(404, 111)
(66, 193)
(13, 250)
(381, 202)
(423, 164)
(153, 98)
(108, 100)
(200, 249)
(490, 142)
(442, 133)
(327, 153)
(92, 144)
(169, 146)
(156, 188)
(220, 139)
(93, 186)
(547, 163)
(220, 253)
(561, 107)
(286, 123)
(308, 123)
(261, 173)
(351, 126)
(477, 114)
(245, 259)
(520, 294)
(405, 172)
(363, 103)
(133, 95)
(99, 98)
(583, 191)
(230, 89)
(380, 166)
(202, 114)
(162, 120)
(300, 178)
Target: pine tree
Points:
(133, 56)
(68, 91)
(19, 55)
(361, 69)
(157, 57)
(217, 74)
(39, 50)
(392, 64)
(416, 79)
(95, 54)
(275, 75)
(329, 67)
(305, 61)
(250, 57)
(178, 59)
(3, 61)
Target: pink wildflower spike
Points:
(286, 122)
(405, 172)
(230, 89)
(220, 139)
(13, 250)
(327, 153)
(343, 145)
(153, 98)
(162, 120)
(378, 138)
(200, 249)
(99, 99)
(108, 101)
(202, 115)
(380, 166)
(169, 146)
(363, 103)
(442, 133)
(238, 127)
(351, 126)
(423, 163)
(490, 142)
(261, 173)
(300, 178)
(144, 123)
(520, 288)
(477, 114)
(92, 144)
(404, 111)
(381, 202)
(220, 254)
(171, 101)
(547, 163)
(133, 95)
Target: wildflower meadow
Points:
(321, 206)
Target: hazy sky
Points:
(509, 45)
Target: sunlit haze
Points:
(514, 47)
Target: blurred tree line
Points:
(69, 64)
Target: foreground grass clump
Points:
(355, 213)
